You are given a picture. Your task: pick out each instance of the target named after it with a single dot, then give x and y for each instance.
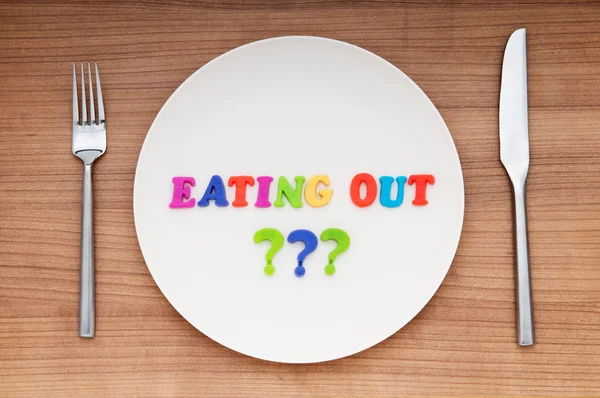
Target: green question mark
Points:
(276, 238)
(343, 241)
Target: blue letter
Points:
(385, 196)
(215, 191)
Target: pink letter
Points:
(181, 192)
(262, 199)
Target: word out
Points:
(315, 197)
(310, 245)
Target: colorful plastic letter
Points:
(385, 196)
(343, 243)
(276, 239)
(320, 198)
(310, 241)
(262, 199)
(294, 196)
(182, 192)
(371, 184)
(215, 191)
(240, 183)
(421, 181)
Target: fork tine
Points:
(83, 106)
(100, 102)
(75, 104)
(92, 112)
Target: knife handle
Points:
(525, 332)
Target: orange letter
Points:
(421, 180)
(357, 181)
(240, 183)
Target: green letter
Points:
(294, 196)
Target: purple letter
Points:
(262, 199)
(181, 192)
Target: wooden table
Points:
(463, 342)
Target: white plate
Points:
(298, 106)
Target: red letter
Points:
(181, 192)
(357, 181)
(421, 180)
(240, 183)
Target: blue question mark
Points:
(310, 244)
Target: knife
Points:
(514, 153)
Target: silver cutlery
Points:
(89, 143)
(514, 153)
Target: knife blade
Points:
(514, 154)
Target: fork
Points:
(89, 143)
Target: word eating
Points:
(217, 193)
(310, 245)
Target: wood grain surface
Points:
(463, 342)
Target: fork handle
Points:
(525, 332)
(86, 281)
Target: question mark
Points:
(310, 244)
(343, 241)
(276, 238)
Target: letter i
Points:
(264, 184)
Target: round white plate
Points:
(298, 106)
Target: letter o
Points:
(357, 181)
